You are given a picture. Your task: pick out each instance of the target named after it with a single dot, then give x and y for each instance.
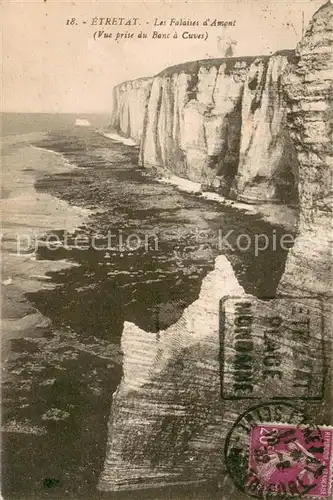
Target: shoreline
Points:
(276, 214)
(28, 214)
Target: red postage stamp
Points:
(290, 460)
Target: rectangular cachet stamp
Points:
(290, 460)
(271, 348)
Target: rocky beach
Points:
(126, 237)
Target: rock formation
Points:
(168, 421)
(267, 160)
(166, 425)
(129, 107)
(210, 120)
(309, 87)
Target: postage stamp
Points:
(291, 460)
(271, 348)
(269, 459)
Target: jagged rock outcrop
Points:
(129, 107)
(167, 425)
(211, 120)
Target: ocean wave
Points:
(195, 188)
(281, 215)
(182, 184)
(224, 201)
(118, 138)
(66, 162)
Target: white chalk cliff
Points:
(129, 107)
(219, 122)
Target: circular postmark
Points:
(273, 451)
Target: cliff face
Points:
(267, 160)
(218, 122)
(167, 425)
(129, 107)
(309, 86)
(169, 421)
(193, 127)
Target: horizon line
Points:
(48, 112)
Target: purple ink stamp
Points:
(290, 460)
(275, 451)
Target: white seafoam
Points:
(281, 215)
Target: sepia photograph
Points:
(166, 249)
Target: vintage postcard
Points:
(166, 249)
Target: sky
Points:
(49, 66)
